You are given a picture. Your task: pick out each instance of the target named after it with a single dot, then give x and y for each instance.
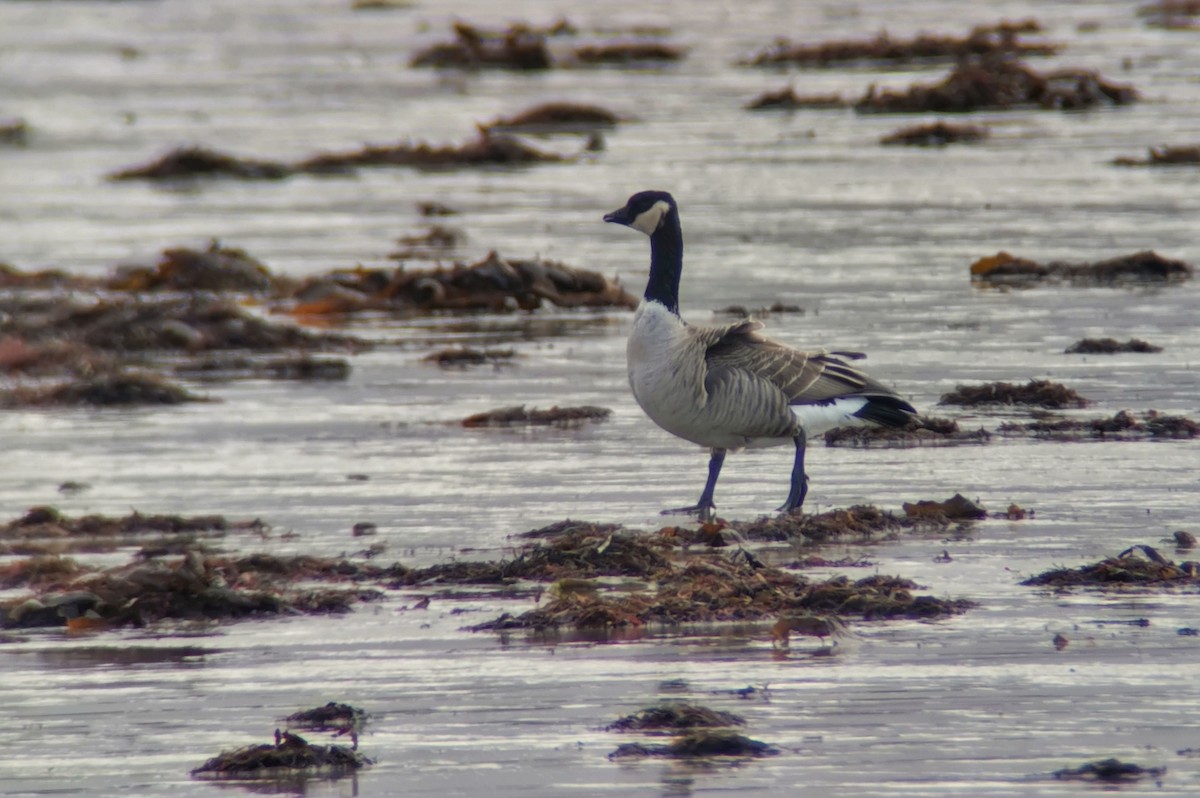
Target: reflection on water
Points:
(803, 209)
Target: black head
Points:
(645, 211)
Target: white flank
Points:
(819, 419)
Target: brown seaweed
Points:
(675, 716)
(1138, 567)
(983, 40)
(1109, 771)
(1122, 426)
(493, 284)
(557, 117)
(1110, 346)
(1036, 393)
(194, 161)
(859, 521)
(1138, 267)
(919, 431)
(627, 52)
(518, 416)
(290, 756)
(468, 356)
(1000, 84)
(1164, 156)
(786, 99)
(936, 134)
(520, 47)
(112, 389)
(699, 744)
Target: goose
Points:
(729, 387)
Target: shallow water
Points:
(805, 208)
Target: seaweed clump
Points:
(1122, 426)
(860, 521)
(1036, 393)
(290, 756)
(493, 284)
(519, 47)
(195, 161)
(518, 416)
(786, 99)
(1109, 771)
(557, 117)
(1135, 568)
(675, 716)
(486, 149)
(1111, 346)
(983, 40)
(919, 431)
(699, 744)
(1164, 156)
(999, 83)
(1148, 266)
(936, 134)
(336, 717)
(112, 389)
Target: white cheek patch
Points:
(647, 221)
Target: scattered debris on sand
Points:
(919, 431)
(570, 527)
(1035, 393)
(518, 416)
(786, 99)
(998, 83)
(1135, 568)
(675, 716)
(463, 356)
(493, 284)
(858, 522)
(936, 134)
(699, 744)
(1109, 771)
(1122, 426)
(1147, 266)
(557, 117)
(956, 508)
(290, 756)
(1164, 156)
(194, 161)
(1110, 346)
(983, 40)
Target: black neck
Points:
(666, 262)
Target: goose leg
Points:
(705, 507)
(795, 499)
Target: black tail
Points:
(887, 411)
